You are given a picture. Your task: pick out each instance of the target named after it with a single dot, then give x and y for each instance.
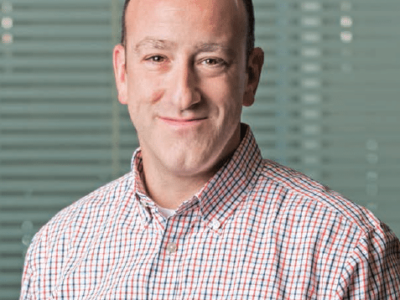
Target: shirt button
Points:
(171, 248)
(215, 224)
(144, 203)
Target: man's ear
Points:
(120, 73)
(254, 69)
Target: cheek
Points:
(143, 105)
(226, 96)
(233, 111)
(143, 91)
(156, 95)
(232, 107)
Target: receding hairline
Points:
(250, 23)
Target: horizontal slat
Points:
(7, 278)
(296, 53)
(338, 166)
(70, 4)
(50, 156)
(326, 31)
(64, 65)
(54, 125)
(54, 93)
(9, 292)
(27, 215)
(101, 139)
(54, 171)
(330, 108)
(76, 31)
(10, 248)
(67, 78)
(354, 77)
(335, 140)
(333, 84)
(81, 47)
(17, 203)
(50, 186)
(10, 232)
(10, 263)
(61, 15)
(361, 184)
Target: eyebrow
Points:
(154, 43)
(164, 44)
(212, 47)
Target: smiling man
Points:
(183, 71)
(202, 215)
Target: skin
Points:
(184, 77)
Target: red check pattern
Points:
(257, 230)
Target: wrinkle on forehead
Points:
(232, 11)
(137, 2)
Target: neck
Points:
(169, 188)
(171, 191)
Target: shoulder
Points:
(301, 197)
(343, 238)
(82, 218)
(98, 203)
(59, 245)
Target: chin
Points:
(192, 165)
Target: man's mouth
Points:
(182, 121)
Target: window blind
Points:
(326, 106)
(62, 133)
(328, 103)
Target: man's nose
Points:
(185, 93)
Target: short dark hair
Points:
(250, 39)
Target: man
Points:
(201, 215)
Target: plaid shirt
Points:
(256, 230)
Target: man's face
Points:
(184, 78)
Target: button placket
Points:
(215, 224)
(171, 248)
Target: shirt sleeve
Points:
(372, 271)
(27, 284)
(36, 255)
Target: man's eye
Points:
(213, 62)
(156, 59)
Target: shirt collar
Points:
(222, 194)
(137, 170)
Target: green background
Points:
(327, 105)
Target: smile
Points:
(182, 122)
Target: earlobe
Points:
(120, 72)
(254, 69)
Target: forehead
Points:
(193, 17)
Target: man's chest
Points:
(239, 261)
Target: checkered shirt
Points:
(256, 230)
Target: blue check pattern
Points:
(256, 230)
